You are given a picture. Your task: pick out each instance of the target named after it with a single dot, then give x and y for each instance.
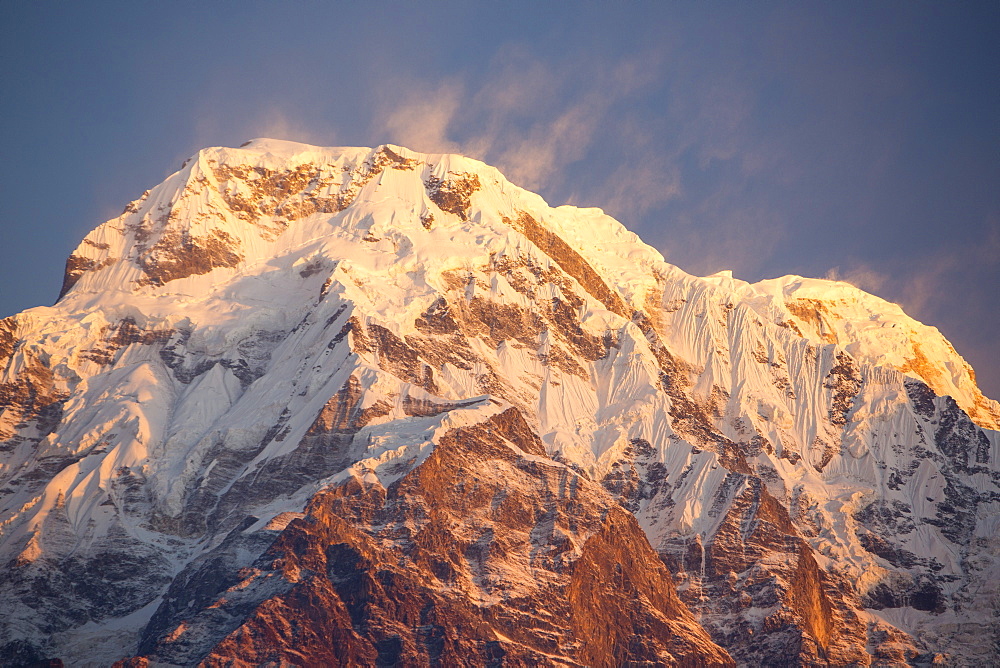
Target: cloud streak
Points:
(529, 118)
(421, 117)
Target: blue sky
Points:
(855, 140)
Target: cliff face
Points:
(353, 406)
(485, 554)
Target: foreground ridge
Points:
(352, 406)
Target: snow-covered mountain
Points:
(331, 406)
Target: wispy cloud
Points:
(277, 123)
(635, 188)
(930, 286)
(530, 118)
(421, 117)
(273, 120)
(722, 231)
(860, 276)
(535, 158)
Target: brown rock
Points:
(481, 556)
(453, 194)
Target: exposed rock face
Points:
(453, 193)
(452, 564)
(32, 403)
(76, 266)
(757, 561)
(174, 257)
(306, 406)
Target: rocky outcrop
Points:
(450, 565)
(759, 591)
(76, 266)
(453, 193)
(31, 404)
(176, 256)
(569, 260)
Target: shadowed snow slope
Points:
(350, 406)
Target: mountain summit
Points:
(351, 406)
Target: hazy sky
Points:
(856, 140)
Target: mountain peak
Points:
(291, 373)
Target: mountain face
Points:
(325, 406)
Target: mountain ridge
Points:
(279, 321)
(808, 313)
